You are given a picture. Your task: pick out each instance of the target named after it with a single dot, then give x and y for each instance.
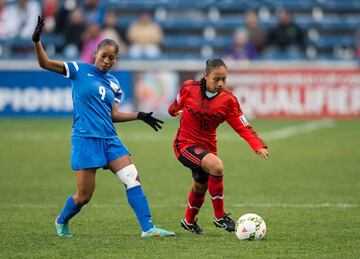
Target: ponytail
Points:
(202, 87)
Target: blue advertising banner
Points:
(43, 93)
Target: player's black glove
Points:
(38, 29)
(149, 119)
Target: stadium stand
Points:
(201, 28)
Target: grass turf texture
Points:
(301, 192)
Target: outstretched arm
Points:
(44, 61)
(130, 116)
(250, 135)
(239, 123)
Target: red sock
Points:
(195, 201)
(216, 191)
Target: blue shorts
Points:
(95, 152)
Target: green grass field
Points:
(307, 192)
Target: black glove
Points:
(149, 119)
(38, 29)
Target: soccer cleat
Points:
(157, 232)
(225, 222)
(62, 229)
(194, 228)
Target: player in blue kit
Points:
(96, 95)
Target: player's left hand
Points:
(263, 152)
(149, 119)
(39, 26)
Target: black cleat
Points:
(194, 228)
(225, 222)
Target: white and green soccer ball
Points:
(250, 227)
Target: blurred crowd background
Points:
(178, 29)
(288, 58)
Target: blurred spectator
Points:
(75, 26)
(145, 37)
(93, 12)
(255, 33)
(357, 45)
(91, 38)
(62, 16)
(111, 30)
(286, 37)
(3, 17)
(21, 19)
(3, 31)
(242, 48)
(50, 9)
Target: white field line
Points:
(237, 205)
(299, 129)
(150, 136)
(297, 206)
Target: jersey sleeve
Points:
(178, 104)
(239, 123)
(118, 96)
(71, 69)
(115, 86)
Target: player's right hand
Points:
(263, 152)
(38, 29)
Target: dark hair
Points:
(210, 65)
(214, 63)
(107, 42)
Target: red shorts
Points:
(191, 156)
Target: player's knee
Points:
(129, 176)
(217, 168)
(82, 198)
(213, 165)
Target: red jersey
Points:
(201, 116)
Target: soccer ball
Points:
(250, 227)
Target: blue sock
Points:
(140, 206)
(70, 210)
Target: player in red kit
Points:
(203, 106)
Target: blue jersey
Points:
(93, 94)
